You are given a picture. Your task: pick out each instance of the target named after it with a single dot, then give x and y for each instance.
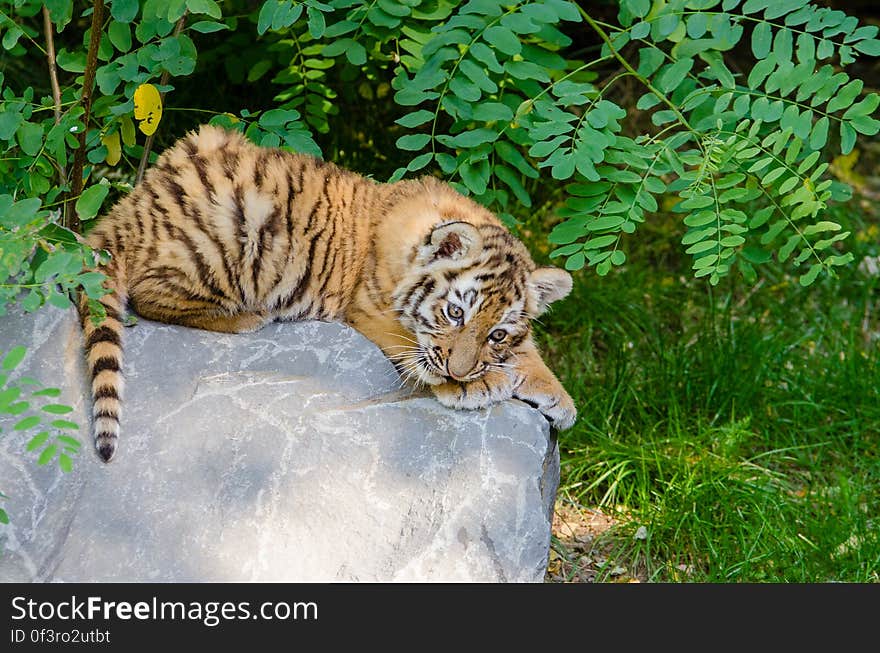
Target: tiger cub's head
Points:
(469, 300)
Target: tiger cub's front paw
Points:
(552, 400)
(485, 391)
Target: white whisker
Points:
(402, 337)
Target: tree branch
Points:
(148, 145)
(626, 64)
(53, 69)
(53, 79)
(86, 100)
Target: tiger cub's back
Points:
(224, 235)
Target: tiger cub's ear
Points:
(452, 242)
(547, 285)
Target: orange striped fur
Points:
(224, 235)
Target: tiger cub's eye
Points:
(455, 312)
(498, 335)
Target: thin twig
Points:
(86, 99)
(53, 79)
(148, 145)
(626, 64)
(53, 69)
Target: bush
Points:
(740, 106)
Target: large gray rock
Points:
(290, 454)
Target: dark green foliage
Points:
(500, 98)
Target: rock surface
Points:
(290, 454)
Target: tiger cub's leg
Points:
(538, 386)
(241, 323)
(198, 313)
(492, 387)
(528, 379)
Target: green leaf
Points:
(70, 443)
(716, 65)
(420, 161)
(762, 40)
(810, 276)
(819, 135)
(503, 39)
(865, 125)
(698, 248)
(38, 440)
(640, 30)
(575, 262)
(209, 26)
(600, 241)
(65, 463)
(72, 62)
(808, 162)
(17, 408)
(465, 89)
(566, 250)
(492, 111)
(7, 396)
(60, 300)
(471, 138)
(413, 142)
(14, 357)
(847, 138)
(527, 70)
(180, 66)
(316, 21)
(10, 39)
(124, 11)
(788, 185)
(65, 424)
(760, 71)
(732, 241)
(638, 8)
(9, 122)
(57, 409)
(4, 518)
(864, 108)
(672, 77)
(825, 49)
(773, 175)
(354, 51)
(697, 25)
(416, 118)
(120, 35)
(47, 454)
(267, 15)
(514, 182)
(89, 203)
(605, 222)
(820, 227)
(30, 138)
(208, 7)
(650, 59)
(845, 96)
(667, 24)
(870, 47)
(27, 423)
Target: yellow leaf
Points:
(127, 128)
(114, 149)
(147, 108)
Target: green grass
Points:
(740, 426)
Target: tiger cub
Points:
(224, 235)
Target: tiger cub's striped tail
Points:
(103, 349)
